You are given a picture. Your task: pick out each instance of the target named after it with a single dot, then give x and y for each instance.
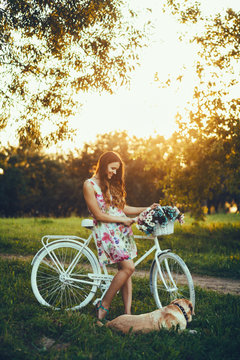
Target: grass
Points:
(209, 248)
(31, 331)
(22, 235)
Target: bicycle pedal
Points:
(100, 277)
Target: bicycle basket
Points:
(164, 230)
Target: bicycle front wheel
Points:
(171, 280)
(63, 276)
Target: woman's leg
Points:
(127, 296)
(126, 269)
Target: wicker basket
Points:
(164, 230)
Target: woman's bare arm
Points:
(134, 211)
(92, 205)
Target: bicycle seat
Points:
(87, 223)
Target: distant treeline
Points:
(35, 184)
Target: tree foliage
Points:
(169, 171)
(62, 54)
(207, 162)
(185, 11)
(53, 51)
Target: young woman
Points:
(105, 196)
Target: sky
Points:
(146, 109)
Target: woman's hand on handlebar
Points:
(154, 205)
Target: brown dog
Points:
(178, 313)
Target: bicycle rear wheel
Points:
(54, 286)
(174, 280)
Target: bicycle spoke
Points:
(173, 281)
(50, 265)
(52, 284)
(80, 288)
(78, 295)
(73, 263)
(56, 261)
(52, 293)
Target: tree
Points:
(51, 52)
(34, 184)
(208, 165)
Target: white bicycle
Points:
(66, 274)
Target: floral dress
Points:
(114, 241)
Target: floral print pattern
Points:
(114, 241)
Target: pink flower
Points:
(118, 256)
(124, 257)
(106, 237)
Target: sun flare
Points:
(148, 107)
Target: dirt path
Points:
(222, 285)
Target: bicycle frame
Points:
(155, 247)
(157, 254)
(102, 280)
(67, 271)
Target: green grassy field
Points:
(209, 248)
(31, 331)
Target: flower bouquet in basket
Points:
(159, 220)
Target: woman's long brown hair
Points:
(115, 186)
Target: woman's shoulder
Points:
(91, 184)
(91, 181)
(88, 184)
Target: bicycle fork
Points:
(172, 282)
